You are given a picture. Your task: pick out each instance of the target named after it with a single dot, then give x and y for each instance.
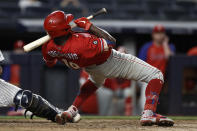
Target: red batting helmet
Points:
(19, 44)
(57, 23)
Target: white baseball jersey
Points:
(126, 66)
(7, 90)
(1, 56)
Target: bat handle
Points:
(103, 10)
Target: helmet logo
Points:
(51, 21)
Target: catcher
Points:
(11, 95)
(94, 52)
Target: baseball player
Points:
(93, 51)
(157, 51)
(12, 96)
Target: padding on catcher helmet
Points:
(57, 23)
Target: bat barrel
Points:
(36, 43)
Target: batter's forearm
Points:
(101, 33)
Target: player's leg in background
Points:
(130, 99)
(142, 98)
(105, 97)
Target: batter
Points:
(94, 52)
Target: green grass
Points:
(109, 117)
(183, 117)
(112, 117)
(138, 117)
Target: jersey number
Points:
(70, 64)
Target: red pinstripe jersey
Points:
(154, 55)
(80, 50)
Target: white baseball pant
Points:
(126, 66)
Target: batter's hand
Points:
(83, 23)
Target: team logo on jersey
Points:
(95, 42)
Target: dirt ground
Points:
(91, 125)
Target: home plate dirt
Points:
(91, 125)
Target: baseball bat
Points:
(29, 47)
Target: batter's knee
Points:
(161, 77)
(158, 75)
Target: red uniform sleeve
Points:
(94, 46)
(50, 61)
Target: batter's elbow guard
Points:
(35, 104)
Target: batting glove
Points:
(83, 23)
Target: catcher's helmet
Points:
(57, 23)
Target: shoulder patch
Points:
(95, 42)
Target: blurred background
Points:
(160, 32)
